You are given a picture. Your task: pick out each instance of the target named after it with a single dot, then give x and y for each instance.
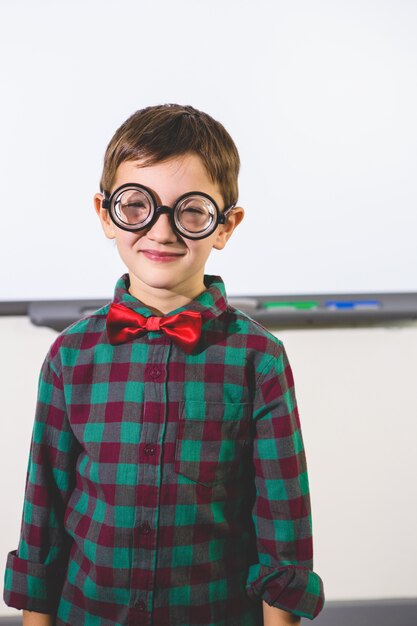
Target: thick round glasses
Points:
(195, 214)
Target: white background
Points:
(320, 97)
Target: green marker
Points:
(303, 305)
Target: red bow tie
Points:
(123, 324)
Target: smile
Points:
(160, 256)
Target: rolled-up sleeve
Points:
(283, 575)
(35, 571)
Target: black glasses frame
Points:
(110, 200)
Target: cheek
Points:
(126, 245)
(202, 248)
(127, 240)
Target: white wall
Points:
(319, 95)
(357, 394)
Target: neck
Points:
(163, 301)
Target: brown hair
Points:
(165, 131)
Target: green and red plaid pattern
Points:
(165, 488)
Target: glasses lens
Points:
(133, 207)
(196, 214)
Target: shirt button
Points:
(150, 449)
(140, 605)
(155, 372)
(145, 528)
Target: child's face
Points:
(181, 272)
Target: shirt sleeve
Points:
(35, 571)
(283, 576)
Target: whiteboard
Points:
(319, 96)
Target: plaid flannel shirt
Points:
(165, 488)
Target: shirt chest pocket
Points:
(211, 439)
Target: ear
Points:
(225, 231)
(104, 216)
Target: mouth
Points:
(161, 256)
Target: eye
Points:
(192, 209)
(132, 207)
(194, 219)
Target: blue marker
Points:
(350, 305)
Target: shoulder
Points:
(84, 334)
(251, 327)
(255, 337)
(267, 354)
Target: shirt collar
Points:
(211, 303)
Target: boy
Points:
(167, 483)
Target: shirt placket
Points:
(149, 482)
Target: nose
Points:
(161, 230)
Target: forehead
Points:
(169, 179)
